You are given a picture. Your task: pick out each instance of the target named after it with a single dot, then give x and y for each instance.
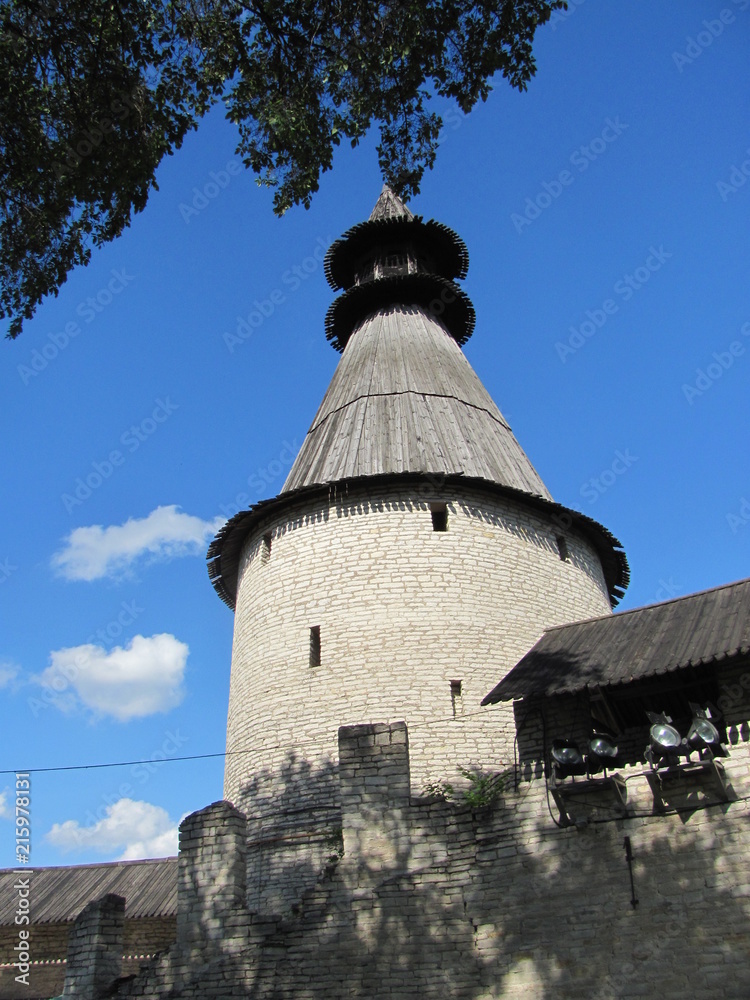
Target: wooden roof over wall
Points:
(59, 894)
(704, 628)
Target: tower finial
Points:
(389, 206)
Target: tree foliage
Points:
(97, 92)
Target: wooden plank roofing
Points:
(389, 206)
(59, 894)
(703, 628)
(404, 398)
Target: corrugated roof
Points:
(404, 398)
(701, 628)
(59, 894)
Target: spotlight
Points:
(703, 734)
(666, 744)
(567, 759)
(602, 753)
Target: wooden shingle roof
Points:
(404, 398)
(389, 206)
(59, 894)
(704, 628)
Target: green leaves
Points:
(97, 94)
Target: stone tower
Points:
(411, 558)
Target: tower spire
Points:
(389, 206)
(413, 543)
(404, 398)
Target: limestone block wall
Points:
(491, 904)
(414, 624)
(48, 942)
(95, 948)
(210, 879)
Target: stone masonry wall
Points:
(95, 948)
(403, 612)
(436, 899)
(48, 944)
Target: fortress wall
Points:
(434, 898)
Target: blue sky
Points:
(606, 212)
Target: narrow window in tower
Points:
(439, 516)
(456, 701)
(266, 550)
(315, 646)
(562, 548)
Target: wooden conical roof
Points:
(389, 206)
(404, 398)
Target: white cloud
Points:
(5, 810)
(8, 673)
(93, 552)
(127, 682)
(136, 829)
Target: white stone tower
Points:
(411, 558)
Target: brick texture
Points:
(403, 610)
(492, 903)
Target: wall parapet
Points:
(95, 948)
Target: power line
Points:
(207, 756)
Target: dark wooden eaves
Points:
(707, 627)
(225, 551)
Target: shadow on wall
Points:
(434, 899)
(551, 920)
(293, 831)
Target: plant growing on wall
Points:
(484, 788)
